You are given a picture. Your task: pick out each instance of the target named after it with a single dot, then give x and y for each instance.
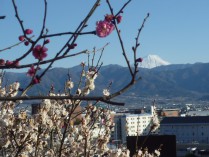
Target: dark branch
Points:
(102, 99)
(2, 17)
(10, 47)
(67, 33)
(43, 62)
(120, 40)
(121, 10)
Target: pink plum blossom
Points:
(39, 52)
(104, 28)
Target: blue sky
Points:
(177, 30)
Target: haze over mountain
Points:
(168, 81)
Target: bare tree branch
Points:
(2, 17)
(93, 98)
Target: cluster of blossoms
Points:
(22, 37)
(9, 63)
(53, 131)
(39, 52)
(32, 73)
(57, 130)
(145, 153)
(10, 91)
(89, 86)
(105, 27)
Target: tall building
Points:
(187, 129)
(132, 125)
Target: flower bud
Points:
(139, 60)
(119, 19)
(2, 62)
(21, 38)
(26, 43)
(47, 41)
(28, 31)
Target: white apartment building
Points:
(187, 129)
(132, 125)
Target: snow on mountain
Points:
(152, 61)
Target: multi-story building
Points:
(187, 129)
(132, 125)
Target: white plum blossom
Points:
(53, 129)
(106, 92)
(69, 84)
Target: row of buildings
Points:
(187, 129)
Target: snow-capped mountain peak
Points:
(152, 61)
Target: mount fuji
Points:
(152, 61)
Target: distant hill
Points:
(189, 80)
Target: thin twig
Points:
(137, 41)
(43, 62)
(7, 48)
(79, 29)
(120, 39)
(2, 17)
(121, 10)
(44, 19)
(20, 21)
(68, 33)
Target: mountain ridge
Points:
(171, 81)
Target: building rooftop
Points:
(183, 120)
(171, 109)
(138, 115)
(198, 113)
